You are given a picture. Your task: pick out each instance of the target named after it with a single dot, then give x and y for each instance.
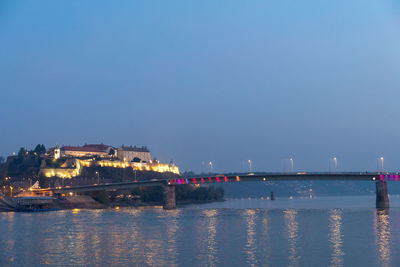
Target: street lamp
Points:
(334, 159)
(249, 161)
(335, 162)
(210, 164)
(291, 164)
(381, 159)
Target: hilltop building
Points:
(100, 150)
(68, 161)
(57, 152)
(133, 153)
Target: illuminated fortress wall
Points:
(70, 172)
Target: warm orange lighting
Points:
(76, 210)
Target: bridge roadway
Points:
(380, 179)
(239, 177)
(105, 187)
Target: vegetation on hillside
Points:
(183, 193)
(25, 164)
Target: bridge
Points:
(380, 179)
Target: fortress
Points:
(68, 161)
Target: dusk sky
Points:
(199, 81)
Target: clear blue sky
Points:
(195, 81)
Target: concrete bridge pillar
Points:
(382, 197)
(169, 197)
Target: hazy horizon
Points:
(220, 81)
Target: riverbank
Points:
(80, 202)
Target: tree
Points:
(112, 152)
(40, 149)
(22, 151)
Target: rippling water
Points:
(331, 231)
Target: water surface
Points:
(325, 231)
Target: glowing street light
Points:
(379, 159)
(250, 165)
(210, 164)
(334, 159)
(291, 164)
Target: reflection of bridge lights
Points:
(76, 210)
(251, 237)
(209, 242)
(383, 236)
(292, 228)
(335, 237)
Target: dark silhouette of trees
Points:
(22, 152)
(184, 193)
(40, 149)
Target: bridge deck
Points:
(283, 177)
(106, 187)
(240, 177)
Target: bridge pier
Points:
(169, 197)
(382, 197)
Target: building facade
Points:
(133, 153)
(88, 151)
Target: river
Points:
(322, 231)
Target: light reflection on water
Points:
(171, 222)
(383, 236)
(200, 237)
(335, 237)
(251, 237)
(207, 244)
(265, 241)
(292, 232)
